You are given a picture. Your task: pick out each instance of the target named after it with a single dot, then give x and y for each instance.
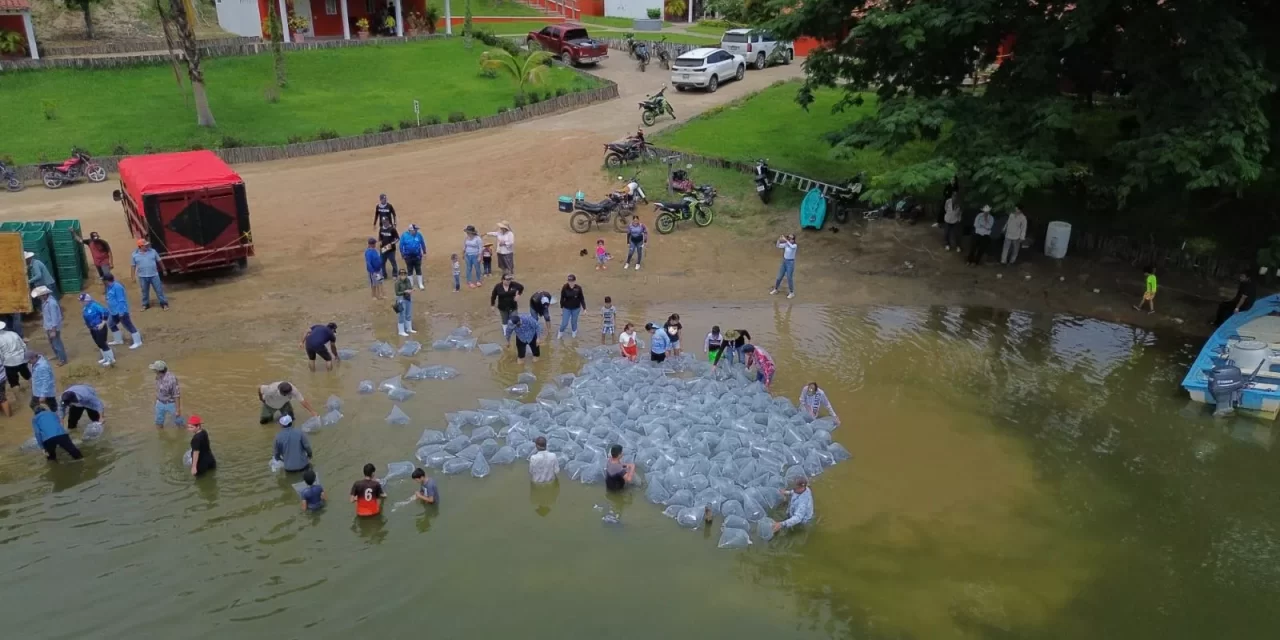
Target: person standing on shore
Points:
(413, 247)
(457, 273)
(572, 301)
(168, 395)
(146, 270)
(95, 318)
(388, 242)
(503, 298)
(1246, 294)
(674, 333)
(788, 268)
(608, 316)
(1015, 231)
(506, 248)
(118, 306)
(471, 248)
(99, 249)
(373, 266)
(982, 226)
(1149, 290)
(637, 240)
(952, 215)
(44, 386)
(404, 304)
(38, 273)
(383, 211)
(51, 320)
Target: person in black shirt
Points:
(321, 340)
(388, 241)
(540, 306)
(201, 454)
(734, 341)
(503, 298)
(617, 474)
(572, 300)
(383, 211)
(1246, 293)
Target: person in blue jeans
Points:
(572, 300)
(413, 247)
(788, 269)
(471, 248)
(373, 265)
(118, 306)
(637, 238)
(51, 321)
(457, 273)
(145, 270)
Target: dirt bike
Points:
(664, 57)
(654, 106)
(694, 206)
(586, 214)
(79, 165)
(641, 51)
(10, 178)
(621, 152)
(848, 200)
(629, 39)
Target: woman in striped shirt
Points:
(813, 399)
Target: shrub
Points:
(408, 124)
(488, 73)
(231, 142)
(368, 130)
(326, 134)
(502, 109)
(654, 14)
(561, 92)
(119, 150)
(534, 98)
(296, 139)
(457, 116)
(519, 100)
(147, 147)
(271, 93)
(195, 146)
(385, 127)
(50, 108)
(431, 119)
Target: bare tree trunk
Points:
(177, 17)
(275, 27)
(88, 20)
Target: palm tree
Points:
(530, 69)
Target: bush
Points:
(231, 142)
(385, 127)
(296, 139)
(457, 116)
(654, 14)
(519, 100)
(119, 150)
(718, 24)
(408, 124)
(488, 73)
(50, 108)
(561, 92)
(147, 147)
(502, 109)
(534, 98)
(431, 119)
(326, 134)
(195, 146)
(368, 131)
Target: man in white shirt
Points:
(13, 351)
(800, 509)
(951, 217)
(542, 464)
(982, 226)
(1015, 231)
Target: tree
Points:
(276, 32)
(1114, 97)
(530, 69)
(744, 11)
(466, 19)
(83, 7)
(177, 27)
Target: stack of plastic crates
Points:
(68, 256)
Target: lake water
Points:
(1015, 476)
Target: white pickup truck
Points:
(755, 45)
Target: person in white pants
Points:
(1015, 231)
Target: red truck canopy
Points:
(173, 172)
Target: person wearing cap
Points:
(572, 302)
(413, 247)
(383, 211)
(762, 361)
(503, 298)
(145, 268)
(44, 386)
(95, 318)
(50, 435)
(526, 330)
(292, 448)
(540, 306)
(471, 248)
(13, 353)
(373, 265)
(982, 226)
(202, 460)
(321, 340)
(278, 397)
(118, 306)
(79, 399)
(404, 304)
(659, 342)
(506, 247)
(103, 261)
(168, 394)
(388, 241)
(51, 320)
(799, 507)
(38, 273)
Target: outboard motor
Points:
(1225, 385)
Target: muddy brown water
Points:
(1015, 476)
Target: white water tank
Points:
(1056, 238)
(1248, 354)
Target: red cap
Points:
(195, 420)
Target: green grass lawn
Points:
(345, 90)
(771, 125)
(711, 30)
(618, 23)
(486, 8)
(511, 28)
(737, 206)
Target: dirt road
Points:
(311, 218)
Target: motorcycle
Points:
(586, 214)
(79, 165)
(695, 205)
(629, 39)
(848, 200)
(10, 177)
(642, 55)
(764, 180)
(632, 148)
(664, 57)
(903, 209)
(632, 192)
(654, 106)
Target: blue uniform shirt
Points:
(117, 299)
(412, 244)
(146, 262)
(372, 260)
(661, 341)
(46, 425)
(94, 314)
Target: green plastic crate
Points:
(62, 234)
(11, 227)
(39, 225)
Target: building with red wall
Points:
(15, 15)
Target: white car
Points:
(706, 68)
(756, 46)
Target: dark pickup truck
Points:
(569, 42)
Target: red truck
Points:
(569, 42)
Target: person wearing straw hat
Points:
(145, 267)
(506, 247)
(51, 320)
(95, 318)
(982, 226)
(13, 353)
(38, 273)
(168, 394)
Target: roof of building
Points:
(15, 5)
